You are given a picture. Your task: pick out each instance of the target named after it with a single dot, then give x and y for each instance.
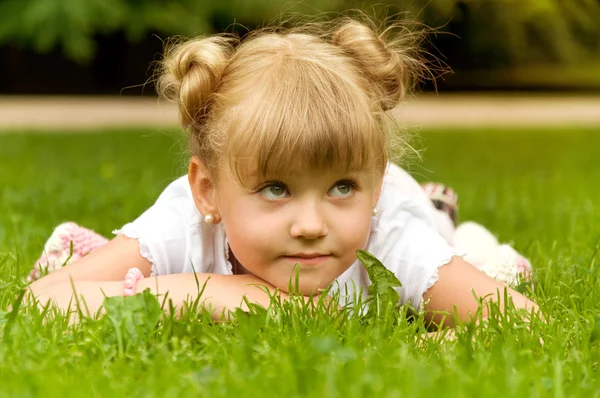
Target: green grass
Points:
(537, 188)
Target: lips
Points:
(308, 258)
(307, 255)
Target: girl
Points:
(289, 165)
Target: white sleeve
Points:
(167, 231)
(161, 236)
(405, 237)
(414, 251)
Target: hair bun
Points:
(191, 71)
(383, 61)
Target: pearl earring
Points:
(375, 212)
(209, 218)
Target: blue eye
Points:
(274, 191)
(342, 189)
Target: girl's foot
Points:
(443, 198)
(57, 250)
(505, 264)
(499, 261)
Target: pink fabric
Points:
(133, 276)
(57, 250)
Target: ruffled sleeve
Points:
(172, 236)
(161, 236)
(414, 251)
(405, 238)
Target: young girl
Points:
(289, 165)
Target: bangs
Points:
(294, 124)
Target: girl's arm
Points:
(457, 281)
(108, 263)
(221, 292)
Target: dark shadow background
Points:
(489, 45)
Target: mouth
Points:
(308, 259)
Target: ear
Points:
(203, 188)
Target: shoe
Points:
(506, 265)
(443, 198)
(57, 250)
(499, 261)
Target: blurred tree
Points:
(517, 32)
(492, 32)
(44, 24)
(72, 24)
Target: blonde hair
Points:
(313, 96)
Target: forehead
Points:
(250, 176)
(310, 154)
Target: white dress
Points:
(405, 236)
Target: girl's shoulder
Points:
(174, 238)
(402, 199)
(179, 187)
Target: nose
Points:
(309, 222)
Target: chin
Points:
(313, 280)
(305, 289)
(315, 289)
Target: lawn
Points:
(539, 189)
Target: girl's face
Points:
(316, 220)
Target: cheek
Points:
(250, 233)
(351, 230)
(355, 238)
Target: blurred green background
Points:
(107, 46)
